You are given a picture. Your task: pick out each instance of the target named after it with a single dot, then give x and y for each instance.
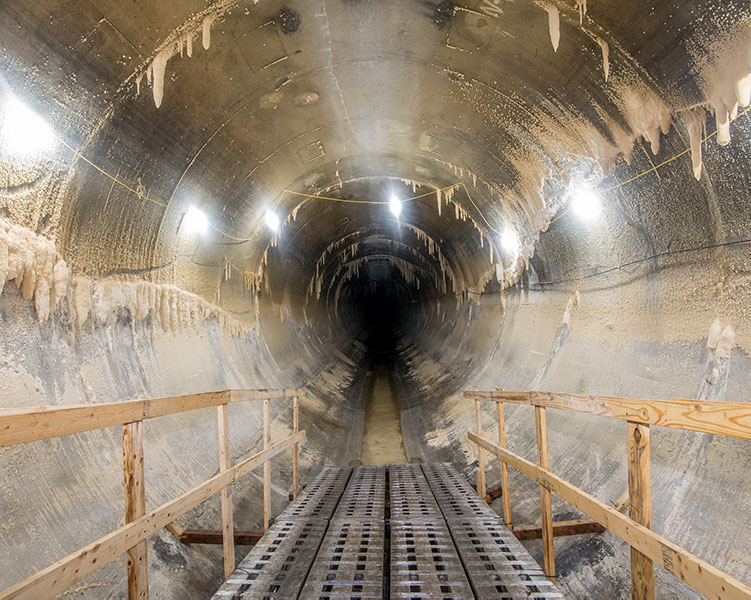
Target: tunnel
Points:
(384, 203)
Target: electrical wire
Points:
(630, 263)
(144, 196)
(350, 201)
(653, 168)
(637, 261)
(560, 215)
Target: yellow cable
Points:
(316, 197)
(466, 191)
(654, 168)
(144, 196)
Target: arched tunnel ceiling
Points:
(259, 102)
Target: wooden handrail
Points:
(732, 419)
(27, 425)
(723, 418)
(32, 424)
(702, 576)
(58, 577)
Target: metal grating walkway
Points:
(321, 496)
(409, 531)
(365, 496)
(349, 563)
(410, 495)
(278, 564)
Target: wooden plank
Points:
(135, 507)
(722, 418)
(560, 528)
(480, 453)
(266, 467)
(58, 577)
(175, 529)
(504, 467)
(699, 574)
(546, 504)
(295, 426)
(640, 495)
(31, 424)
(622, 502)
(225, 463)
(216, 537)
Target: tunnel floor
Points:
(382, 442)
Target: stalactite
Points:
(554, 25)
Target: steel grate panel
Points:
(445, 543)
(321, 496)
(455, 497)
(276, 567)
(497, 564)
(365, 495)
(349, 563)
(409, 494)
(425, 563)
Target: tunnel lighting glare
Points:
(510, 241)
(272, 220)
(585, 204)
(395, 205)
(195, 221)
(24, 133)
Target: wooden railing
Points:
(28, 425)
(722, 418)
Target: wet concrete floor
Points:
(382, 442)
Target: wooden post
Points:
(266, 466)
(504, 467)
(480, 453)
(546, 504)
(228, 521)
(640, 507)
(295, 425)
(135, 507)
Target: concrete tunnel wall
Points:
(358, 100)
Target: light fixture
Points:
(510, 241)
(272, 220)
(395, 205)
(585, 203)
(195, 221)
(24, 132)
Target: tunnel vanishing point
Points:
(375, 208)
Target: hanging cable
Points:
(630, 263)
(560, 215)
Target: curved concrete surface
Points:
(554, 234)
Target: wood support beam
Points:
(480, 453)
(266, 466)
(216, 536)
(546, 503)
(560, 528)
(175, 529)
(640, 508)
(135, 507)
(19, 426)
(723, 418)
(699, 574)
(295, 426)
(58, 577)
(228, 520)
(504, 468)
